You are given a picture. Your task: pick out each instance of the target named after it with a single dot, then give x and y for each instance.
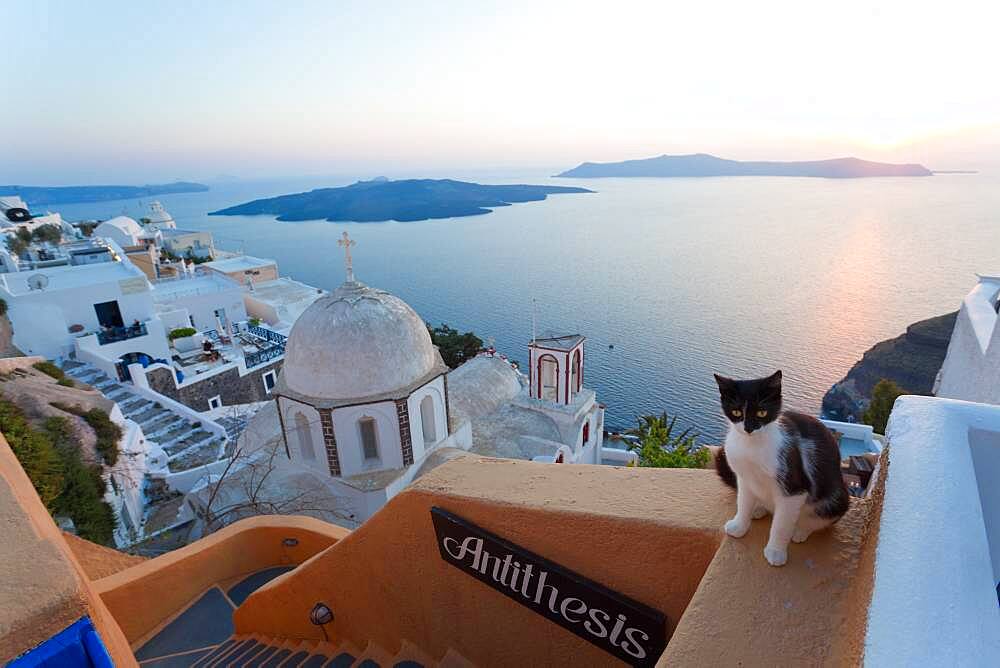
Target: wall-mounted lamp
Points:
(320, 615)
(290, 542)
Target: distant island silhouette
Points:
(702, 164)
(407, 200)
(84, 194)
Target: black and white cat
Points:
(780, 462)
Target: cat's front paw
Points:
(801, 535)
(775, 556)
(736, 528)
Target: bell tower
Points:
(555, 368)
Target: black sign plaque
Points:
(631, 631)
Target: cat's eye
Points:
(737, 413)
(762, 414)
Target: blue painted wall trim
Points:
(77, 646)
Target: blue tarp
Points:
(77, 646)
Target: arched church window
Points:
(427, 420)
(304, 436)
(586, 432)
(369, 437)
(548, 378)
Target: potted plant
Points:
(184, 339)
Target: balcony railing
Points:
(264, 333)
(116, 334)
(263, 356)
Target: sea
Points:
(669, 279)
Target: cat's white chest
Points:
(754, 460)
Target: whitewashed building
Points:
(102, 309)
(362, 399)
(364, 405)
(971, 368)
(157, 218)
(280, 302)
(124, 231)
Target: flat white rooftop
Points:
(69, 277)
(239, 263)
(284, 290)
(207, 284)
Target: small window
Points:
(270, 378)
(304, 436)
(427, 420)
(215, 402)
(369, 437)
(586, 432)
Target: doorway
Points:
(108, 314)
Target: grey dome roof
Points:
(355, 343)
(481, 386)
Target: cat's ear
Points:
(773, 382)
(726, 385)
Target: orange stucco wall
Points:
(44, 589)
(146, 596)
(98, 561)
(649, 534)
(810, 612)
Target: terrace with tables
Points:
(253, 345)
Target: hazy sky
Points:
(144, 91)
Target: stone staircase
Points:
(202, 635)
(256, 651)
(187, 445)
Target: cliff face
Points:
(911, 360)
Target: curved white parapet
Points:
(979, 308)
(934, 599)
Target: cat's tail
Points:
(722, 468)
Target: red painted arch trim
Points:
(538, 374)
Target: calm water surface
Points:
(669, 279)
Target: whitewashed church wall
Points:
(434, 389)
(347, 431)
(305, 439)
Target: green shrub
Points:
(82, 497)
(181, 332)
(66, 382)
(50, 455)
(3, 307)
(16, 244)
(108, 434)
(454, 346)
(660, 447)
(254, 322)
(47, 232)
(49, 369)
(37, 455)
(884, 395)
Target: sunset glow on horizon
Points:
(113, 91)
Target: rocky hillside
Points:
(912, 360)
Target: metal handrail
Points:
(263, 356)
(268, 334)
(116, 334)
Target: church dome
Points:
(157, 214)
(121, 229)
(357, 342)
